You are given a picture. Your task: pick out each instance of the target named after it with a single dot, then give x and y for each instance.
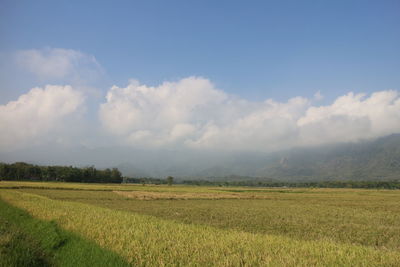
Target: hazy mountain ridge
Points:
(373, 160)
(368, 160)
(377, 159)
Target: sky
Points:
(196, 75)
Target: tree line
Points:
(21, 171)
(395, 184)
(149, 180)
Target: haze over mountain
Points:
(377, 159)
(368, 160)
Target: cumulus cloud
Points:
(352, 117)
(193, 113)
(57, 64)
(159, 115)
(36, 114)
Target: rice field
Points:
(207, 226)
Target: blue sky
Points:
(254, 49)
(196, 75)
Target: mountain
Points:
(378, 159)
(372, 160)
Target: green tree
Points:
(116, 176)
(170, 180)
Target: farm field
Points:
(199, 226)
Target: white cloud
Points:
(352, 117)
(193, 113)
(36, 114)
(57, 64)
(268, 126)
(163, 114)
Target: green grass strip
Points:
(27, 241)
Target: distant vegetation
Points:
(255, 182)
(144, 180)
(324, 184)
(21, 171)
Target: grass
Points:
(27, 241)
(154, 241)
(17, 248)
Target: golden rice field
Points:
(199, 226)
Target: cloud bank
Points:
(192, 113)
(40, 115)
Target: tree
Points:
(170, 180)
(116, 176)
